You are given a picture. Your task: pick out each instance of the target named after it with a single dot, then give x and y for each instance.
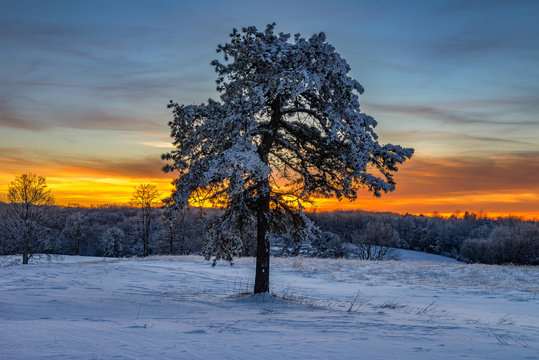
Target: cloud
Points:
(158, 144)
(149, 167)
(501, 185)
(480, 31)
(517, 173)
(84, 180)
(73, 117)
(18, 30)
(416, 136)
(102, 120)
(62, 85)
(459, 113)
(468, 45)
(11, 119)
(17, 122)
(20, 160)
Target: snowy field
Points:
(181, 308)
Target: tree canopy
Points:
(287, 127)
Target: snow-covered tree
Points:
(29, 203)
(114, 242)
(287, 127)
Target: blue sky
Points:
(84, 84)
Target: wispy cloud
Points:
(426, 184)
(457, 113)
(11, 119)
(435, 176)
(157, 144)
(419, 136)
(484, 34)
(149, 167)
(83, 119)
(19, 160)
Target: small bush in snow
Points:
(376, 242)
(327, 245)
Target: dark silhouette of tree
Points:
(75, 232)
(145, 196)
(182, 231)
(376, 241)
(288, 127)
(29, 201)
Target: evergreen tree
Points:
(287, 127)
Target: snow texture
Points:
(182, 308)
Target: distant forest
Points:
(117, 231)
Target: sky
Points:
(84, 87)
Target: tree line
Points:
(109, 230)
(30, 223)
(468, 236)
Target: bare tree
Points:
(145, 196)
(376, 241)
(183, 230)
(75, 231)
(29, 199)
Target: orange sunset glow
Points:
(421, 188)
(83, 102)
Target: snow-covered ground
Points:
(410, 255)
(182, 308)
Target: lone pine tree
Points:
(287, 127)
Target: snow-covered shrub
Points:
(114, 242)
(327, 245)
(286, 246)
(222, 242)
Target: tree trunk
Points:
(171, 241)
(263, 205)
(26, 244)
(262, 246)
(145, 231)
(77, 245)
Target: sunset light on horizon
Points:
(84, 89)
